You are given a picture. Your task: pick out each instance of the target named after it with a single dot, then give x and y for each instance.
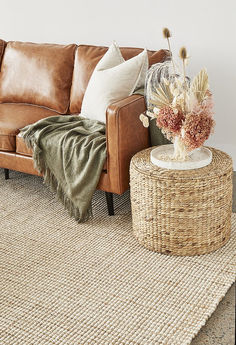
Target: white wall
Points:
(206, 27)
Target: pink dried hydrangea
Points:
(170, 122)
(197, 128)
(197, 125)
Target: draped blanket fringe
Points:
(84, 148)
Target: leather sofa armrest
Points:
(2, 49)
(125, 137)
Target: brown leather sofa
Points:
(41, 80)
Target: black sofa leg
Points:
(110, 203)
(6, 172)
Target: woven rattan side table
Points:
(181, 212)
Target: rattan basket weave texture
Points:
(181, 212)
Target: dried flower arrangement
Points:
(183, 109)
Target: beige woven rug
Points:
(86, 284)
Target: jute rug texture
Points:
(93, 284)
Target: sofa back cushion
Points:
(86, 59)
(39, 74)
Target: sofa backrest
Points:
(39, 74)
(87, 57)
(52, 75)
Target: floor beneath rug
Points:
(219, 329)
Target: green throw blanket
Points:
(70, 151)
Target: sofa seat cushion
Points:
(38, 74)
(24, 150)
(13, 117)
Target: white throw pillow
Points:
(113, 79)
(111, 58)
